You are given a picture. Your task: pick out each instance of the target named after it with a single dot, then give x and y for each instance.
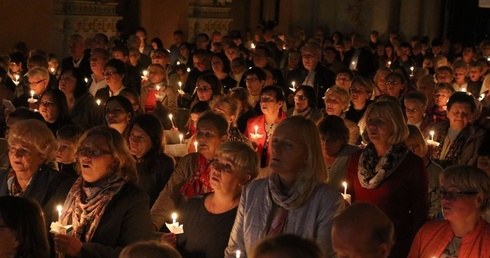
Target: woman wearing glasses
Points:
(114, 72)
(54, 109)
(208, 218)
(107, 211)
(305, 104)
(464, 197)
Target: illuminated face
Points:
(48, 109)
(38, 84)
(204, 90)
(459, 115)
(460, 75)
(95, 158)
(414, 110)
(67, 151)
(310, 59)
(379, 130)
(139, 142)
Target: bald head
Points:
(362, 230)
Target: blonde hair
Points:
(126, 165)
(469, 178)
(392, 112)
(344, 96)
(242, 156)
(150, 249)
(230, 106)
(414, 134)
(41, 71)
(37, 134)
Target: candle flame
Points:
(174, 216)
(59, 208)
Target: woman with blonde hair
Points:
(337, 102)
(386, 174)
(294, 198)
(107, 211)
(380, 82)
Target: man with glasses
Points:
(255, 81)
(202, 65)
(415, 106)
(79, 57)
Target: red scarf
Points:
(199, 183)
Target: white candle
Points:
(238, 253)
(252, 46)
(32, 94)
(432, 135)
(59, 208)
(178, 63)
(16, 77)
(180, 85)
(170, 116)
(52, 69)
(195, 145)
(188, 70)
(463, 89)
(98, 102)
(293, 83)
(256, 129)
(158, 88)
(174, 218)
(389, 63)
(411, 70)
(482, 96)
(353, 63)
(86, 80)
(345, 187)
(181, 136)
(145, 73)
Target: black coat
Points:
(324, 79)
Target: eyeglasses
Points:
(454, 195)
(46, 103)
(332, 101)
(110, 73)
(36, 83)
(253, 79)
(412, 111)
(392, 82)
(92, 152)
(300, 97)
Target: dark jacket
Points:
(86, 113)
(324, 79)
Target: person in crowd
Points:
(192, 174)
(146, 144)
(54, 109)
(293, 62)
(386, 174)
(144, 47)
(458, 139)
(114, 72)
(131, 77)
(305, 104)
(331, 60)
(444, 74)
(38, 81)
(415, 106)
(98, 59)
(107, 211)
(464, 197)
(380, 81)
(245, 110)
(83, 110)
(361, 91)
(362, 230)
(294, 198)
(228, 107)
(23, 230)
(337, 101)
(157, 43)
(150, 249)
(417, 144)
(255, 82)
(426, 84)
(161, 56)
(209, 218)
(196, 111)
(396, 85)
(202, 65)
(208, 88)
(260, 129)
(32, 155)
(118, 112)
(238, 69)
(460, 72)
(221, 69)
(336, 150)
(66, 156)
(185, 55)
(344, 78)
(78, 57)
(358, 58)
(475, 82)
(134, 98)
(287, 246)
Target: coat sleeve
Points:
(419, 196)
(237, 241)
(332, 207)
(170, 197)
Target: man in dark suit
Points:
(359, 58)
(79, 58)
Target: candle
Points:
(32, 94)
(158, 88)
(86, 80)
(238, 253)
(353, 63)
(174, 218)
(293, 83)
(171, 121)
(432, 135)
(345, 187)
(195, 145)
(188, 70)
(180, 85)
(181, 136)
(252, 46)
(178, 63)
(59, 208)
(256, 129)
(463, 89)
(482, 96)
(411, 70)
(145, 73)
(16, 77)
(98, 102)
(389, 63)
(52, 69)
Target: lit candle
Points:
(181, 136)
(158, 88)
(432, 135)
(353, 63)
(16, 77)
(345, 187)
(145, 73)
(482, 96)
(195, 145)
(86, 80)
(98, 102)
(178, 63)
(411, 70)
(252, 46)
(238, 253)
(188, 69)
(389, 63)
(463, 89)
(59, 208)
(174, 218)
(32, 94)
(180, 85)
(293, 83)
(52, 69)
(256, 129)
(170, 116)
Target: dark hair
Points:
(80, 85)
(59, 99)
(278, 91)
(295, 246)
(25, 113)
(200, 107)
(309, 93)
(267, 51)
(179, 32)
(224, 59)
(121, 48)
(153, 127)
(213, 81)
(218, 120)
(38, 60)
(70, 133)
(461, 97)
(345, 71)
(117, 64)
(141, 29)
(241, 95)
(125, 104)
(157, 41)
(334, 127)
(25, 218)
(256, 71)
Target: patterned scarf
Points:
(306, 113)
(14, 186)
(85, 205)
(456, 148)
(372, 170)
(199, 183)
(296, 196)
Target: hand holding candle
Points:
(170, 116)
(57, 227)
(181, 136)
(32, 99)
(431, 140)
(175, 227)
(347, 197)
(256, 135)
(238, 253)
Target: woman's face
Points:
(394, 86)
(67, 151)
(359, 94)
(459, 115)
(204, 91)
(379, 130)
(115, 115)
(95, 158)
(300, 101)
(333, 104)
(441, 97)
(67, 83)
(37, 84)
(24, 158)
(208, 139)
(269, 104)
(184, 52)
(139, 142)
(217, 64)
(225, 177)
(389, 51)
(48, 109)
(381, 82)
(112, 77)
(343, 80)
(288, 152)
(155, 75)
(459, 207)
(8, 241)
